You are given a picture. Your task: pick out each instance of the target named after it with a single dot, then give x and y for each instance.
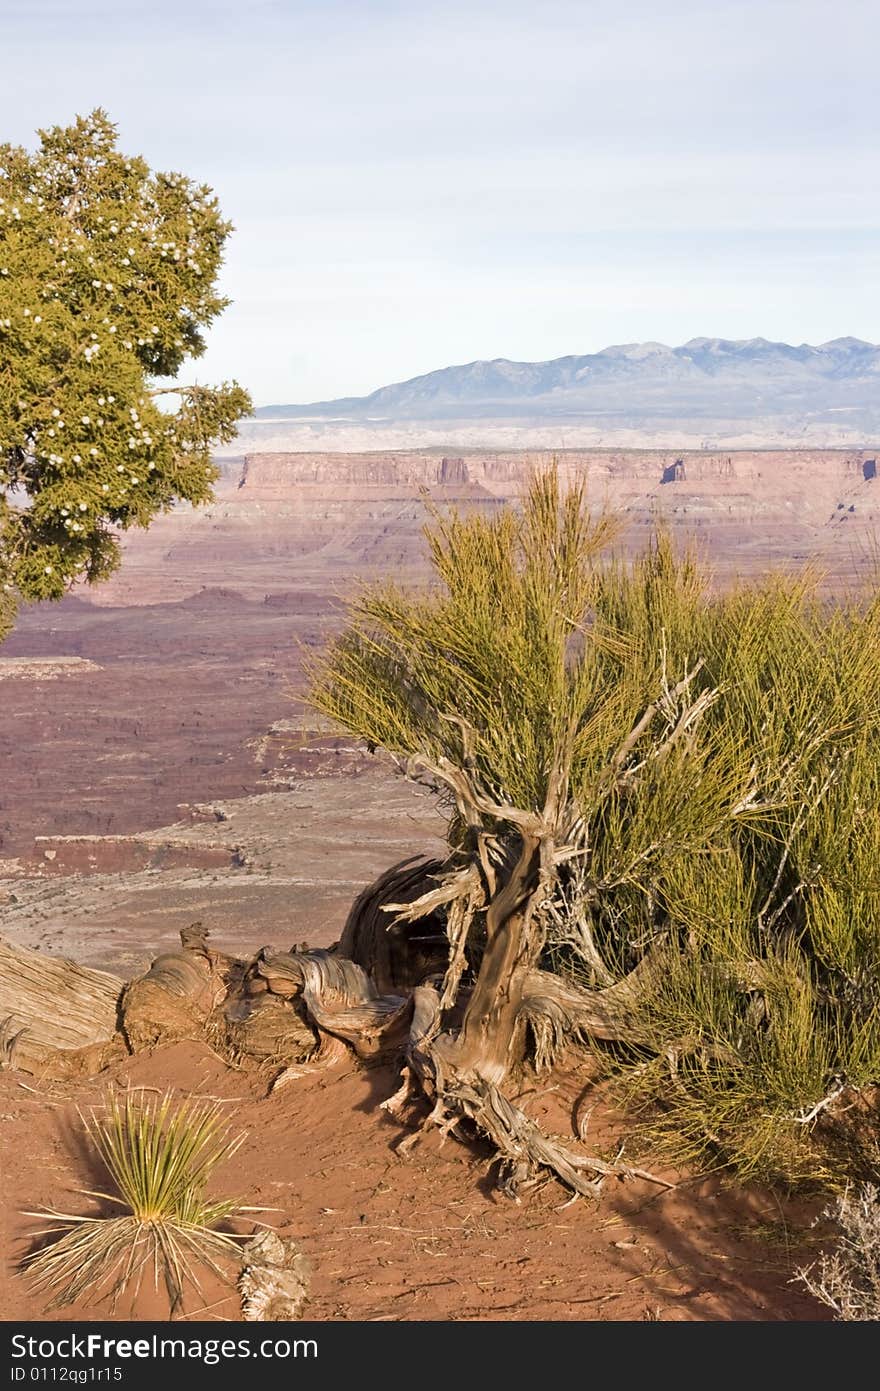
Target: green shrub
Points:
(716, 839)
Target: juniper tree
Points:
(108, 278)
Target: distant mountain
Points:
(706, 384)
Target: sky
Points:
(416, 183)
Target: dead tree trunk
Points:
(54, 1013)
(486, 1043)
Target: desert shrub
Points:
(701, 774)
(847, 1279)
(159, 1157)
(766, 1015)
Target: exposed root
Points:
(526, 1154)
(177, 995)
(339, 998)
(405, 1093)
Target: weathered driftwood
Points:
(398, 952)
(177, 995)
(49, 1004)
(274, 1278)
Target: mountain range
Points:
(707, 379)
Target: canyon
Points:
(158, 757)
(160, 767)
(294, 528)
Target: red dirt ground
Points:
(426, 1237)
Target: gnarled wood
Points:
(339, 997)
(556, 1009)
(525, 1152)
(174, 999)
(399, 952)
(48, 1003)
(486, 1041)
(267, 1028)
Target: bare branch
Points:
(655, 708)
(471, 802)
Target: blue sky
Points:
(416, 184)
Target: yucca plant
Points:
(159, 1156)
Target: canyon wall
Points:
(308, 523)
(180, 680)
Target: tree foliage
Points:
(700, 774)
(107, 281)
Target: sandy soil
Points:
(426, 1237)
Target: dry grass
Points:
(847, 1279)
